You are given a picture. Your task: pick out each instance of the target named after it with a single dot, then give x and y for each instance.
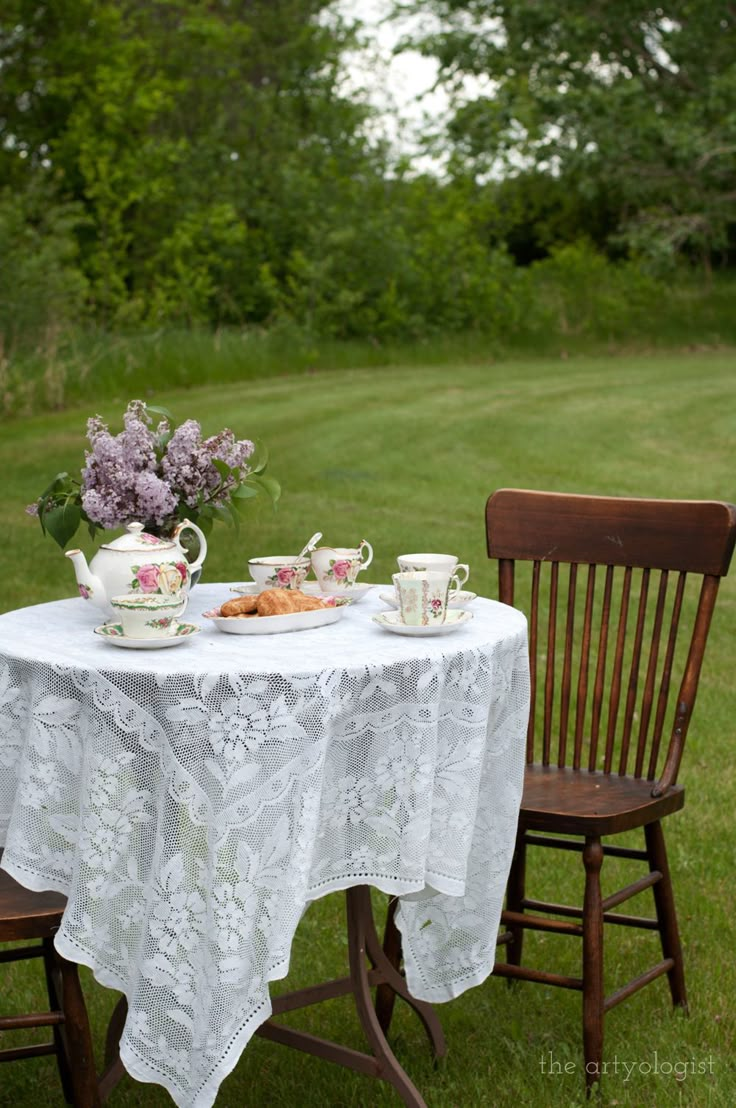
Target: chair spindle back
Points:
(619, 594)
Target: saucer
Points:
(113, 633)
(352, 593)
(391, 621)
(461, 600)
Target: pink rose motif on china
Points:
(435, 606)
(343, 571)
(85, 591)
(286, 576)
(151, 540)
(146, 578)
(166, 578)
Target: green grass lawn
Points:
(406, 457)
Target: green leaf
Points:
(222, 467)
(162, 412)
(62, 522)
(268, 485)
(244, 492)
(224, 513)
(62, 482)
(242, 506)
(259, 458)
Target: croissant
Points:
(279, 602)
(240, 606)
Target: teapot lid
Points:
(137, 539)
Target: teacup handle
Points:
(456, 586)
(461, 572)
(365, 545)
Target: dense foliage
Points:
(167, 162)
(631, 106)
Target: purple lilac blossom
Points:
(187, 464)
(119, 482)
(124, 478)
(234, 453)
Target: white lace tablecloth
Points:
(191, 801)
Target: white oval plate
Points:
(113, 633)
(274, 625)
(462, 600)
(312, 588)
(391, 621)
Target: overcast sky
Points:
(393, 83)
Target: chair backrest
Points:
(619, 594)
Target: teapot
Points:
(137, 563)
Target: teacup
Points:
(442, 563)
(423, 596)
(149, 615)
(337, 567)
(279, 572)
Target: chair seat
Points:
(581, 802)
(25, 914)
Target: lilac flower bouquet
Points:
(158, 474)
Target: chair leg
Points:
(55, 1005)
(664, 902)
(515, 889)
(592, 962)
(75, 1034)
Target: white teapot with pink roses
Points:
(137, 563)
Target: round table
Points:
(191, 801)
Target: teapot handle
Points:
(187, 524)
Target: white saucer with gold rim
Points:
(391, 621)
(113, 633)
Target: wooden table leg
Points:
(393, 980)
(363, 947)
(114, 1068)
(385, 995)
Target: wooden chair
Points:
(620, 598)
(24, 916)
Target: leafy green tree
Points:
(201, 141)
(622, 97)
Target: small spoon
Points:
(314, 539)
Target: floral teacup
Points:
(286, 572)
(423, 596)
(440, 563)
(149, 615)
(337, 567)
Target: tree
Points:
(620, 97)
(201, 140)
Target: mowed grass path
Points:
(406, 458)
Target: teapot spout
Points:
(90, 587)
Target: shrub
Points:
(42, 289)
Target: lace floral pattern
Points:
(191, 807)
